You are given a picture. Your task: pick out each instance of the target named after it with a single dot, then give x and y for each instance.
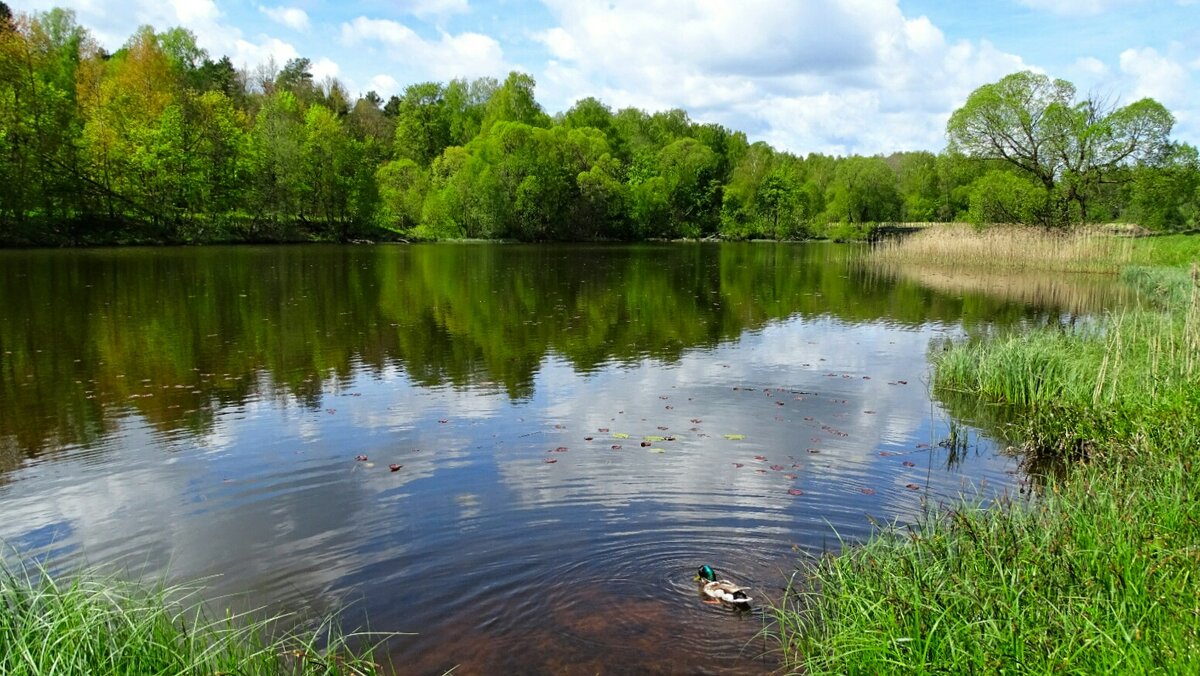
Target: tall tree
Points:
(1068, 145)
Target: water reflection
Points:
(200, 412)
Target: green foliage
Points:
(1001, 196)
(1036, 125)
(159, 142)
(863, 189)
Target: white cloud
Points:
(292, 17)
(1155, 75)
(1092, 66)
(384, 85)
(464, 54)
(1076, 7)
(855, 76)
(324, 68)
(433, 8)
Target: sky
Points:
(830, 76)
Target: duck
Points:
(721, 590)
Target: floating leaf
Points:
(909, 463)
(549, 461)
(814, 451)
(779, 403)
(777, 468)
(738, 465)
(795, 491)
(394, 467)
(561, 449)
(760, 458)
(735, 437)
(645, 444)
(657, 450)
(902, 382)
(360, 458)
(653, 437)
(620, 435)
(886, 454)
(587, 438)
(868, 412)
(789, 477)
(696, 421)
(616, 447)
(662, 428)
(602, 429)
(922, 445)
(670, 438)
(760, 471)
(912, 487)
(443, 421)
(867, 491)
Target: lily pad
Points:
(654, 437)
(620, 435)
(394, 467)
(549, 461)
(735, 437)
(795, 491)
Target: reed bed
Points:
(1010, 247)
(94, 625)
(1094, 574)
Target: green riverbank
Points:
(92, 624)
(1097, 573)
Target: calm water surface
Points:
(198, 412)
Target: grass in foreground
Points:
(1098, 573)
(93, 625)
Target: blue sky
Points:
(835, 76)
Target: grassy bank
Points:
(1095, 574)
(93, 625)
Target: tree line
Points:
(159, 142)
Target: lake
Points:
(575, 430)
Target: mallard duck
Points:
(721, 590)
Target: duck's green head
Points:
(706, 573)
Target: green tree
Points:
(513, 101)
(1036, 124)
(863, 190)
(422, 123)
(1002, 196)
(1167, 197)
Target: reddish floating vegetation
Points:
(669, 407)
(550, 461)
(670, 437)
(887, 454)
(777, 468)
(779, 403)
(443, 421)
(696, 421)
(795, 491)
(814, 451)
(789, 477)
(394, 467)
(587, 438)
(662, 428)
(760, 471)
(922, 445)
(738, 465)
(868, 491)
(645, 444)
(909, 463)
(602, 430)
(902, 382)
(360, 458)
(912, 487)
(561, 449)
(616, 447)
(869, 412)
(760, 458)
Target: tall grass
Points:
(1096, 576)
(1098, 572)
(95, 625)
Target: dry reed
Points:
(1010, 247)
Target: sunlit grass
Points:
(92, 625)
(1094, 574)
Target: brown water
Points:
(198, 412)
